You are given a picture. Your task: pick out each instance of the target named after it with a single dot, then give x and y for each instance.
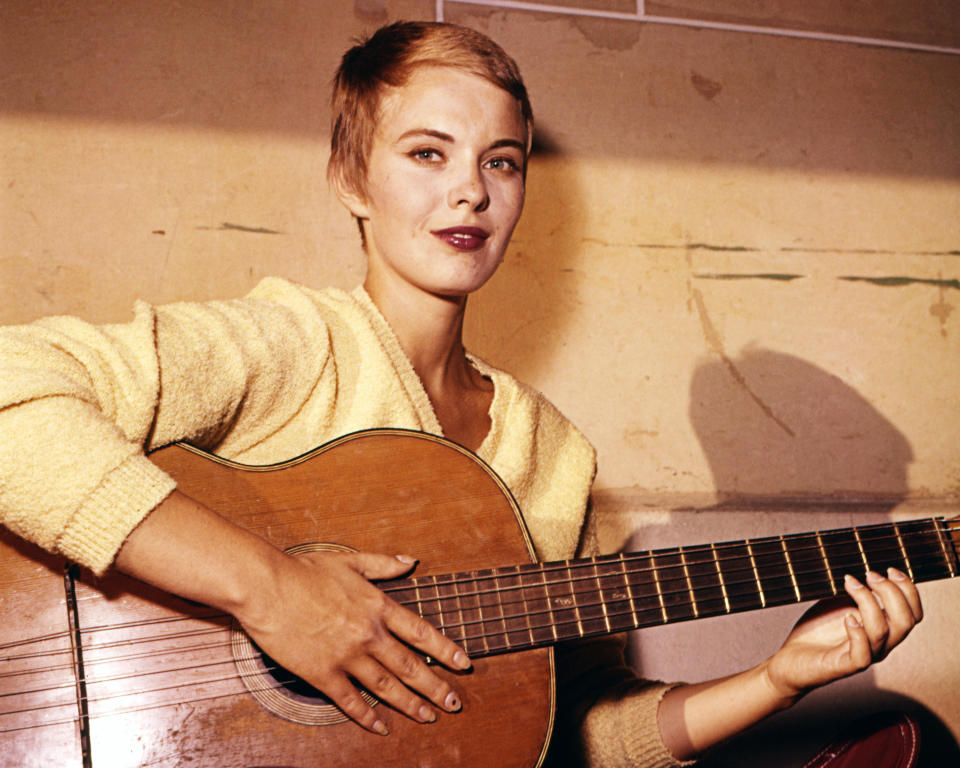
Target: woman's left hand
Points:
(835, 640)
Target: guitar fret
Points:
(946, 553)
(503, 615)
(626, 583)
(863, 555)
(686, 574)
(526, 608)
(656, 582)
(603, 599)
(443, 609)
(756, 575)
(826, 563)
(416, 596)
(460, 615)
(576, 603)
(546, 591)
(723, 584)
(482, 619)
(903, 551)
(793, 575)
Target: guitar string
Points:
(670, 605)
(280, 684)
(504, 617)
(585, 571)
(568, 566)
(507, 618)
(98, 699)
(473, 579)
(706, 550)
(644, 555)
(581, 567)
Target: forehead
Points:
(452, 101)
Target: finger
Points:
(859, 652)
(383, 684)
(899, 614)
(909, 590)
(420, 634)
(349, 701)
(374, 566)
(410, 669)
(872, 618)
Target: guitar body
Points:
(164, 692)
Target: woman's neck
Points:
(430, 331)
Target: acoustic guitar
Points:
(109, 672)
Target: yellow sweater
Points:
(259, 380)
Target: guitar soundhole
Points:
(295, 686)
(277, 690)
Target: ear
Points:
(354, 200)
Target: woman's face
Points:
(445, 183)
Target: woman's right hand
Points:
(316, 614)
(323, 620)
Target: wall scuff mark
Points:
(716, 344)
(784, 277)
(226, 226)
(897, 282)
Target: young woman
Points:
(432, 129)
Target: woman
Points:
(432, 129)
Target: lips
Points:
(463, 238)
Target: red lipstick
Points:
(463, 238)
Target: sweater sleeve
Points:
(606, 714)
(80, 404)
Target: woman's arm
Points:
(829, 642)
(317, 615)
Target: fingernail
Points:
(893, 573)
(852, 621)
(874, 578)
(461, 660)
(406, 559)
(381, 728)
(852, 582)
(452, 702)
(427, 715)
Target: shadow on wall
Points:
(773, 425)
(777, 428)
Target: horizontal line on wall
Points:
(643, 17)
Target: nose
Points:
(469, 189)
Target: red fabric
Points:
(881, 741)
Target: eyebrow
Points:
(446, 137)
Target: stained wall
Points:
(737, 270)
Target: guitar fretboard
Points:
(537, 604)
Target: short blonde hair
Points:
(387, 59)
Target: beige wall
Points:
(737, 271)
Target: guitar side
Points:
(388, 491)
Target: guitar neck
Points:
(538, 604)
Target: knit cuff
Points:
(107, 516)
(642, 746)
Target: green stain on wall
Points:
(896, 282)
(747, 276)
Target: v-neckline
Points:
(414, 386)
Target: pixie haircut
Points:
(388, 59)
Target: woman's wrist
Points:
(782, 694)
